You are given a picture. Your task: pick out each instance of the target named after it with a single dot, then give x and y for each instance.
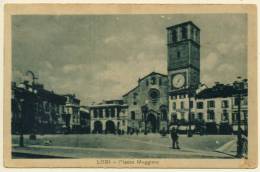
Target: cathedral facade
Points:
(148, 104)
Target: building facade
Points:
(148, 104)
(84, 119)
(36, 110)
(240, 104)
(72, 113)
(108, 117)
(215, 109)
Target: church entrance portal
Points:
(151, 123)
(110, 127)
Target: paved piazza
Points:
(96, 146)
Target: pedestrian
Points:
(137, 132)
(132, 131)
(175, 138)
(245, 144)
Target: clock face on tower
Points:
(178, 80)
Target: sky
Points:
(100, 57)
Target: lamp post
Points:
(34, 91)
(189, 134)
(238, 86)
(21, 143)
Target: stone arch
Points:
(152, 122)
(110, 127)
(164, 113)
(98, 127)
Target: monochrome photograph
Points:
(129, 89)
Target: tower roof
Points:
(184, 23)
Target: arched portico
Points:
(98, 127)
(164, 113)
(152, 122)
(110, 127)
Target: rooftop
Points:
(26, 89)
(106, 105)
(221, 90)
(140, 79)
(184, 23)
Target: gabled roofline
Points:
(152, 73)
(140, 79)
(130, 91)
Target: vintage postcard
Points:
(130, 86)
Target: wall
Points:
(140, 96)
(119, 116)
(218, 109)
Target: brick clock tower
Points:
(183, 41)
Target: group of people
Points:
(132, 131)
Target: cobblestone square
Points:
(114, 146)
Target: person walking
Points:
(175, 138)
(137, 131)
(244, 143)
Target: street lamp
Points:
(189, 133)
(239, 86)
(33, 134)
(21, 143)
(34, 91)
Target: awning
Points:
(183, 127)
(235, 127)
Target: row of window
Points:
(47, 107)
(200, 105)
(211, 116)
(109, 112)
(57, 108)
(181, 96)
(211, 103)
(243, 101)
(184, 34)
